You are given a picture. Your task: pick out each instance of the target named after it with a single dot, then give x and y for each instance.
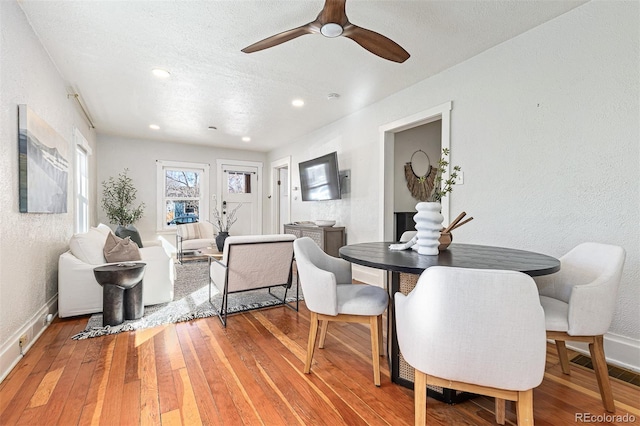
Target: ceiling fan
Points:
(333, 22)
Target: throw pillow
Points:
(117, 249)
(88, 246)
(103, 229)
(189, 231)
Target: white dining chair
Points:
(579, 302)
(474, 330)
(330, 295)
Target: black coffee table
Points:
(121, 291)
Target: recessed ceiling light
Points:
(160, 73)
(297, 102)
(246, 139)
(154, 126)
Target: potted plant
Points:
(223, 223)
(118, 195)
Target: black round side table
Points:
(121, 291)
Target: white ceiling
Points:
(105, 50)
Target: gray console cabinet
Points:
(328, 238)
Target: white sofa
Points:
(78, 291)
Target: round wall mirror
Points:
(420, 163)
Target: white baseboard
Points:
(620, 351)
(368, 275)
(10, 351)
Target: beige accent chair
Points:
(252, 262)
(194, 236)
(330, 295)
(491, 341)
(579, 302)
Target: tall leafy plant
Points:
(118, 195)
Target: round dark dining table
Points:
(404, 268)
(377, 255)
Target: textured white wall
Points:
(546, 129)
(30, 243)
(139, 156)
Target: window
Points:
(81, 219)
(183, 193)
(239, 182)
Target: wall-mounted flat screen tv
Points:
(320, 179)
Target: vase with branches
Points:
(223, 222)
(442, 187)
(118, 196)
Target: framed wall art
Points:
(43, 165)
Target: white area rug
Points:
(190, 301)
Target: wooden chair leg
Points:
(380, 333)
(602, 374)
(564, 358)
(524, 408)
(313, 332)
(375, 349)
(323, 333)
(500, 411)
(420, 398)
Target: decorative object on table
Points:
(118, 195)
(428, 224)
(223, 221)
(429, 219)
(446, 236)
(420, 175)
(443, 187)
(409, 238)
(190, 301)
(43, 165)
(323, 223)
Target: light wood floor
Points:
(250, 373)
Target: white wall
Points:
(139, 156)
(30, 243)
(546, 129)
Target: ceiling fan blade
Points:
(282, 37)
(333, 11)
(376, 43)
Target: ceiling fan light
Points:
(331, 30)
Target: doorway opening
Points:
(280, 194)
(388, 136)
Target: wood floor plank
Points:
(251, 373)
(149, 386)
(130, 413)
(203, 397)
(213, 371)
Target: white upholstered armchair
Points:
(491, 340)
(579, 302)
(252, 262)
(194, 236)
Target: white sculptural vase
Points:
(428, 224)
